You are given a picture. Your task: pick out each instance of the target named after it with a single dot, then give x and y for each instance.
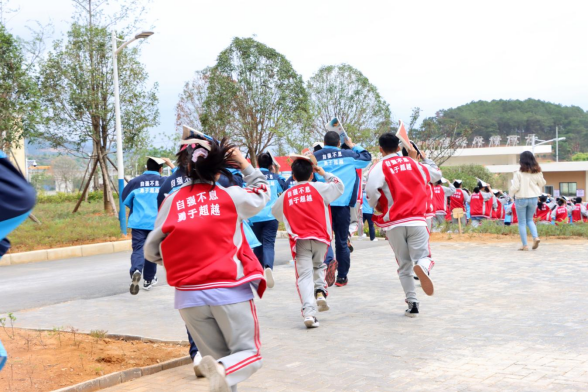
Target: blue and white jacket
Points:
(140, 195)
(343, 164)
(277, 185)
(17, 197)
(365, 206)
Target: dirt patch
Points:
(45, 361)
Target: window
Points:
(567, 188)
(548, 189)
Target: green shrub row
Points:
(67, 197)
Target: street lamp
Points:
(122, 216)
(536, 139)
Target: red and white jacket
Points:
(498, 212)
(579, 213)
(561, 213)
(396, 189)
(440, 194)
(481, 205)
(305, 209)
(199, 238)
(543, 214)
(430, 210)
(458, 200)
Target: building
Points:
(563, 178)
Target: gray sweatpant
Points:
(438, 220)
(230, 334)
(310, 273)
(411, 246)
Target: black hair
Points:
(457, 184)
(542, 200)
(529, 163)
(264, 160)
(302, 170)
(389, 142)
(487, 189)
(560, 202)
(317, 148)
(476, 190)
(206, 168)
(578, 200)
(439, 182)
(332, 139)
(153, 166)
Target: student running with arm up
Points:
(305, 211)
(396, 189)
(213, 280)
(342, 164)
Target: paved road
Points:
(500, 320)
(35, 285)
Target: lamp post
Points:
(536, 139)
(122, 216)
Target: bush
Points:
(67, 197)
(581, 156)
(492, 227)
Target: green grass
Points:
(59, 227)
(490, 227)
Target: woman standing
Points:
(526, 187)
(199, 238)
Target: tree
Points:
(254, 96)
(77, 86)
(65, 171)
(190, 106)
(19, 94)
(344, 92)
(469, 175)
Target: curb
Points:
(117, 378)
(65, 253)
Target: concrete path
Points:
(500, 320)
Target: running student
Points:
(459, 199)
(264, 224)
(343, 164)
(140, 196)
(305, 211)
(396, 189)
(213, 271)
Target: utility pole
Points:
(556, 143)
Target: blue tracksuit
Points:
(264, 225)
(140, 195)
(17, 198)
(344, 165)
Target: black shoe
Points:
(413, 309)
(341, 282)
(148, 284)
(416, 277)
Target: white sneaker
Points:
(321, 302)
(375, 240)
(311, 322)
(424, 279)
(364, 235)
(197, 360)
(269, 277)
(148, 284)
(135, 280)
(215, 374)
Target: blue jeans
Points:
(341, 217)
(193, 348)
(525, 211)
(138, 262)
(368, 218)
(266, 233)
(330, 255)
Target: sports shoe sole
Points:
(216, 381)
(341, 284)
(153, 283)
(269, 278)
(134, 289)
(331, 271)
(426, 282)
(311, 324)
(322, 305)
(536, 243)
(411, 315)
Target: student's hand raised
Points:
(238, 157)
(319, 170)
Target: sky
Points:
(428, 54)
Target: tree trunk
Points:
(109, 205)
(85, 191)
